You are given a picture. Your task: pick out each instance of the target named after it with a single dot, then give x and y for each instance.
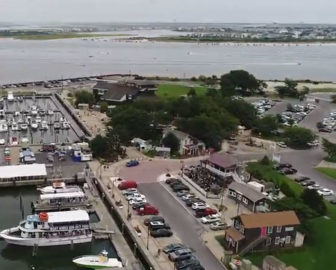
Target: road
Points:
(187, 227)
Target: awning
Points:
(234, 234)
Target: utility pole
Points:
(147, 245)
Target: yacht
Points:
(51, 229)
(50, 112)
(59, 187)
(38, 119)
(17, 113)
(44, 125)
(10, 97)
(100, 261)
(34, 124)
(2, 114)
(15, 126)
(24, 126)
(57, 125)
(65, 125)
(33, 110)
(3, 126)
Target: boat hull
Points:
(92, 262)
(44, 242)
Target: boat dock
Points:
(40, 207)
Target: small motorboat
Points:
(2, 141)
(38, 119)
(50, 112)
(15, 126)
(34, 125)
(100, 261)
(17, 113)
(44, 125)
(14, 141)
(24, 126)
(65, 125)
(57, 125)
(3, 126)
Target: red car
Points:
(127, 184)
(205, 212)
(148, 210)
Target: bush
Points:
(315, 201)
(298, 137)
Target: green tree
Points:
(311, 198)
(330, 148)
(267, 124)
(289, 89)
(239, 80)
(99, 146)
(84, 97)
(191, 92)
(298, 137)
(104, 107)
(170, 140)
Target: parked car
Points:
(190, 201)
(307, 183)
(301, 179)
(154, 218)
(139, 205)
(132, 163)
(209, 219)
(181, 193)
(284, 165)
(148, 210)
(217, 226)
(137, 200)
(187, 196)
(133, 196)
(155, 225)
(325, 192)
(180, 254)
(192, 261)
(161, 233)
(288, 171)
(171, 181)
(127, 185)
(198, 205)
(195, 267)
(129, 191)
(315, 186)
(180, 187)
(281, 144)
(325, 129)
(205, 212)
(173, 247)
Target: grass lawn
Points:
(330, 172)
(176, 90)
(322, 90)
(318, 250)
(269, 174)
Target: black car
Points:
(301, 179)
(180, 187)
(154, 218)
(173, 247)
(156, 225)
(194, 267)
(161, 233)
(307, 183)
(192, 261)
(283, 165)
(190, 201)
(139, 205)
(171, 181)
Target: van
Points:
(127, 184)
(148, 210)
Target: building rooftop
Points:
(234, 234)
(27, 170)
(223, 161)
(68, 216)
(115, 91)
(270, 219)
(247, 191)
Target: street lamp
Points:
(147, 245)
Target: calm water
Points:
(47, 258)
(41, 60)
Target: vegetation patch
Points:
(329, 172)
(176, 90)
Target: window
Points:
(277, 240)
(233, 194)
(245, 201)
(289, 229)
(279, 228)
(239, 196)
(288, 239)
(269, 230)
(268, 241)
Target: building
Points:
(221, 165)
(189, 145)
(250, 198)
(23, 172)
(262, 231)
(273, 263)
(115, 92)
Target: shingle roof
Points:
(234, 234)
(115, 91)
(269, 219)
(247, 191)
(224, 161)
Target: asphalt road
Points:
(182, 222)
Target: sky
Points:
(252, 11)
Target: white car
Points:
(315, 186)
(281, 144)
(137, 200)
(210, 219)
(198, 206)
(134, 196)
(325, 192)
(217, 226)
(129, 191)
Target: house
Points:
(262, 231)
(143, 146)
(250, 198)
(220, 165)
(115, 92)
(189, 145)
(273, 263)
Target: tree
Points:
(315, 201)
(267, 124)
(191, 92)
(289, 89)
(84, 97)
(298, 137)
(99, 146)
(330, 148)
(170, 140)
(104, 107)
(239, 80)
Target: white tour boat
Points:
(51, 229)
(59, 187)
(100, 261)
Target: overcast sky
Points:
(314, 11)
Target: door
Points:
(263, 231)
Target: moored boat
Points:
(100, 261)
(59, 187)
(50, 229)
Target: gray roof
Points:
(115, 91)
(223, 160)
(247, 191)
